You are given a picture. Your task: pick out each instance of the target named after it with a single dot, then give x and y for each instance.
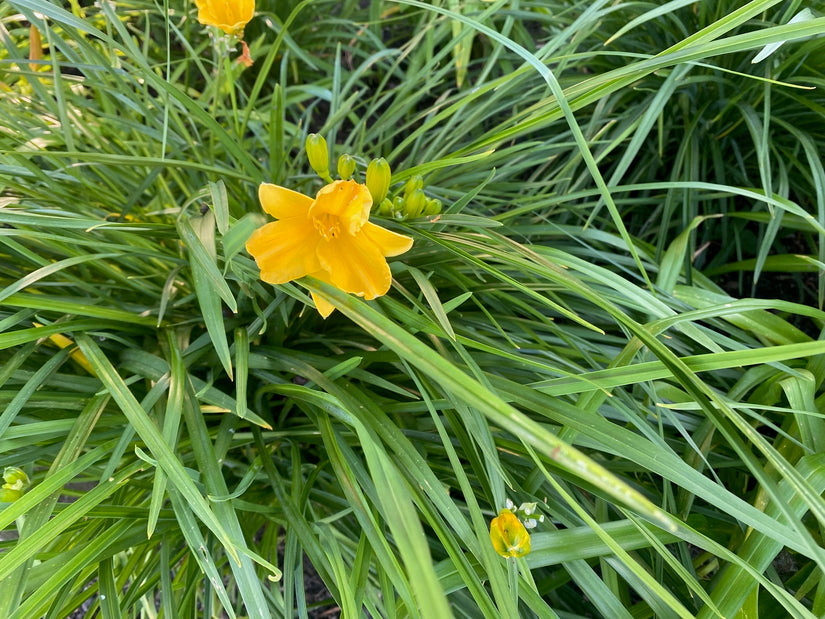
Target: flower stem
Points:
(512, 573)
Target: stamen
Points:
(327, 225)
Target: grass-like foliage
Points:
(616, 315)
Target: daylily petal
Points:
(349, 201)
(355, 265)
(324, 307)
(285, 249)
(281, 202)
(389, 243)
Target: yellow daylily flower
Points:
(229, 15)
(509, 536)
(329, 238)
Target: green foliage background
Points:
(616, 316)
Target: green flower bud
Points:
(385, 208)
(415, 203)
(9, 496)
(398, 207)
(379, 177)
(416, 182)
(318, 154)
(16, 484)
(433, 207)
(346, 167)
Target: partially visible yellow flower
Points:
(509, 536)
(229, 15)
(62, 341)
(329, 238)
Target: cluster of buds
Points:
(527, 513)
(410, 202)
(508, 530)
(16, 483)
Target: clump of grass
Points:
(196, 439)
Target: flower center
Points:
(327, 225)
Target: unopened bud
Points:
(385, 208)
(416, 182)
(433, 207)
(379, 177)
(398, 207)
(318, 154)
(16, 483)
(35, 47)
(346, 167)
(509, 536)
(415, 203)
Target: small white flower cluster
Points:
(525, 513)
